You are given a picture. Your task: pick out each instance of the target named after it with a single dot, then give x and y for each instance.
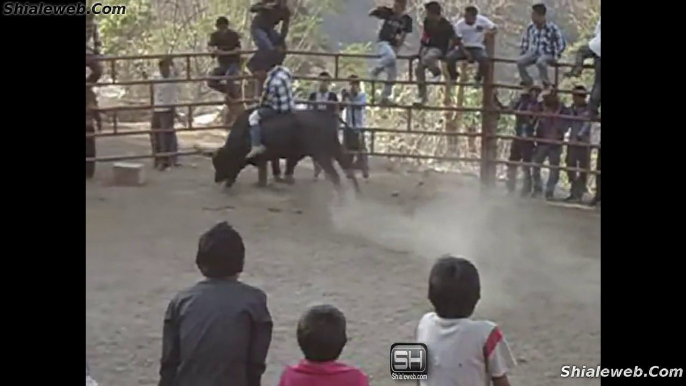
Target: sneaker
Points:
(255, 151)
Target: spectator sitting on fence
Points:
(93, 46)
(522, 150)
(578, 156)
(590, 50)
(225, 39)
(355, 102)
(438, 37)
(218, 331)
(552, 129)
(164, 113)
(269, 13)
(461, 350)
(321, 337)
(471, 30)
(395, 27)
(542, 44)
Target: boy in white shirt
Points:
(470, 31)
(462, 351)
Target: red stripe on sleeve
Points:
(494, 338)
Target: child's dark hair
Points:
(471, 10)
(321, 333)
(454, 287)
(433, 7)
(540, 9)
(221, 21)
(324, 74)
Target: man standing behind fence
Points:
(578, 156)
(471, 30)
(355, 102)
(551, 128)
(438, 37)
(522, 150)
(163, 116)
(225, 39)
(542, 44)
(396, 25)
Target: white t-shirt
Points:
(165, 93)
(473, 35)
(594, 44)
(463, 352)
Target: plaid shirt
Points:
(547, 40)
(278, 90)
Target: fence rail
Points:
(489, 112)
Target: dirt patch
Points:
(369, 256)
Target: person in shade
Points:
(542, 44)
(93, 120)
(321, 337)
(587, 51)
(437, 39)
(462, 350)
(578, 156)
(522, 150)
(394, 29)
(93, 47)
(218, 331)
(225, 39)
(269, 13)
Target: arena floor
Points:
(540, 264)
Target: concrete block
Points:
(128, 174)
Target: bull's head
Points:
(227, 166)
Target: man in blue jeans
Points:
(269, 13)
(277, 97)
(225, 39)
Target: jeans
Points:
(520, 151)
(429, 61)
(578, 157)
(228, 88)
(264, 39)
(387, 63)
(553, 153)
(541, 62)
(478, 54)
(254, 120)
(166, 142)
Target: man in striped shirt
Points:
(277, 98)
(542, 44)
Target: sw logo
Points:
(408, 359)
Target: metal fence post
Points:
(489, 143)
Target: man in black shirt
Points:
(269, 13)
(225, 39)
(218, 331)
(396, 25)
(438, 37)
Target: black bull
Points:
(290, 136)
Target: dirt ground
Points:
(370, 256)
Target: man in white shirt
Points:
(470, 31)
(462, 351)
(165, 95)
(588, 51)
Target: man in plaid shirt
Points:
(542, 44)
(277, 98)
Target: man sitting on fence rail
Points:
(277, 98)
(590, 50)
(542, 44)
(396, 25)
(438, 37)
(225, 39)
(269, 13)
(471, 30)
